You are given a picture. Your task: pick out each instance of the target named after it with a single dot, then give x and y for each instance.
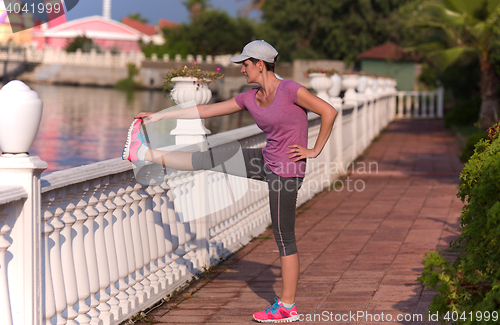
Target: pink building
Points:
(106, 33)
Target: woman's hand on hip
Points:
(299, 153)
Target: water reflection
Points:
(82, 125)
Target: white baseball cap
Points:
(259, 49)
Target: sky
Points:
(153, 10)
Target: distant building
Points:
(392, 60)
(106, 33)
(154, 33)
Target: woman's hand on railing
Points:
(147, 117)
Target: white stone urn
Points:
(381, 85)
(363, 84)
(350, 82)
(335, 89)
(185, 90)
(321, 83)
(369, 84)
(375, 85)
(21, 111)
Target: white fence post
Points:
(432, 104)
(21, 114)
(401, 104)
(416, 106)
(440, 95)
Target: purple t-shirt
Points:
(284, 122)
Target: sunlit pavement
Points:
(360, 251)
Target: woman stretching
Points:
(279, 108)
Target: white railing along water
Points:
(102, 59)
(91, 245)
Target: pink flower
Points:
(195, 62)
(218, 69)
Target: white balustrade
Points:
(418, 104)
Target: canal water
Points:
(83, 125)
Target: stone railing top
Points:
(76, 175)
(12, 193)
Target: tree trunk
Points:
(490, 107)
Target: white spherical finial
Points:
(21, 111)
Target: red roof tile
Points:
(144, 28)
(388, 51)
(167, 23)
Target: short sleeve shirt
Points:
(284, 123)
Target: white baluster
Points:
(416, 106)
(174, 238)
(55, 257)
(102, 257)
(5, 309)
(68, 265)
(109, 239)
(151, 240)
(90, 250)
(160, 235)
(191, 234)
(181, 233)
(79, 256)
(424, 104)
(137, 240)
(401, 105)
(129, 243)
(431, 104)
(167, 237)
(440, 96)
(146, 254)
(408, 105)
(48, 302)
(119, 239)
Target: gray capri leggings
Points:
(282, 190)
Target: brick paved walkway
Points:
(359, 251)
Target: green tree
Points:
(214, 32)
(459, 31)
(137, 16)
(83, 43)
(341, 29)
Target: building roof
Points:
(167, 23)
(388, 51)
(93, 27)
(144, 28)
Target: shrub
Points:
(470, 143)
(470, 286)
(83, 43)
(129, 84)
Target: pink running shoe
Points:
(277, 313)
(135, 148)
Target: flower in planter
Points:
(194, 72)
(328, 72)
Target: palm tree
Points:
(465, 28)
(195, 7)
(252, 5)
